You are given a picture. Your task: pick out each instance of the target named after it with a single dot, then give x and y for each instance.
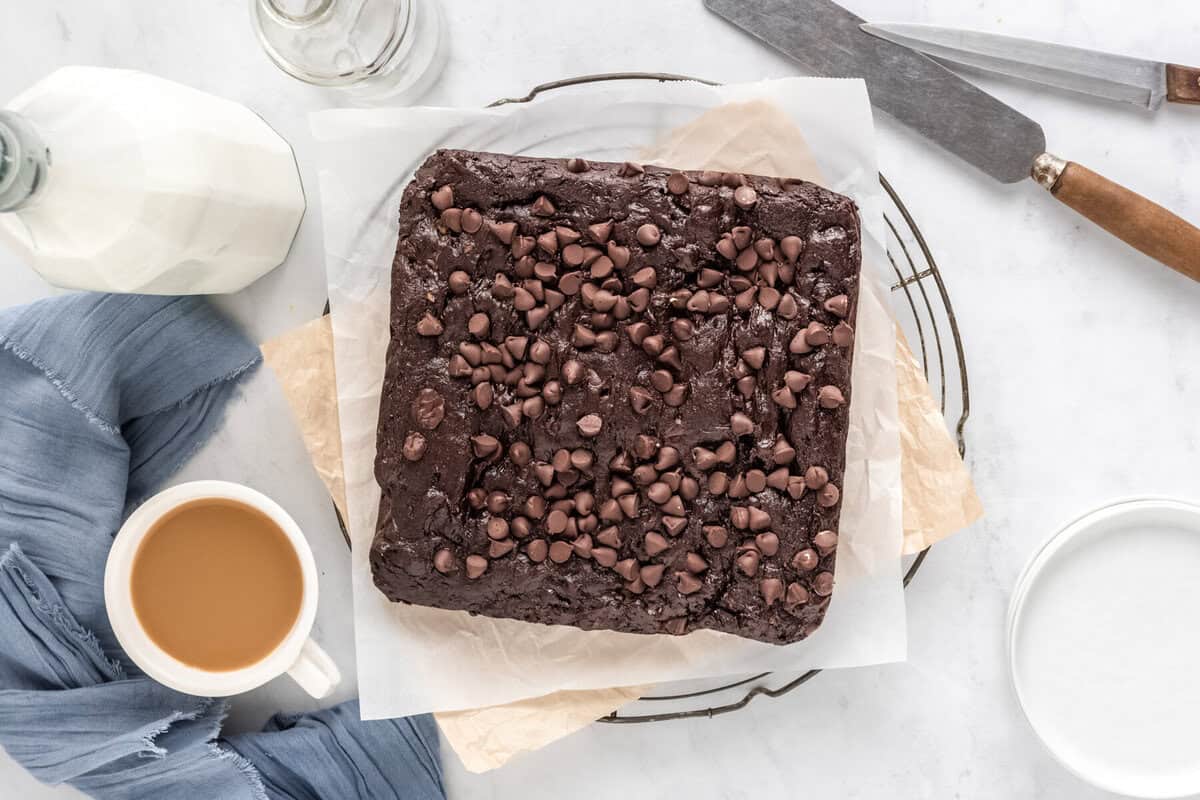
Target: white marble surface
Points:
(1079, 350)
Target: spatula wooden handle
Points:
(1125, 214)
(1183, 84)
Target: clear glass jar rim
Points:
(400, 27)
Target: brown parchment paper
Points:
(939, 498)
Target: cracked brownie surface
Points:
(616, 396)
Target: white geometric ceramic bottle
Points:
(119, 181)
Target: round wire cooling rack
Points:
(925, 316)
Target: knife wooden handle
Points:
(1125, 214)
(1183, 84)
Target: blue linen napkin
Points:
(102, 398)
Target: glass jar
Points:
(374, 50)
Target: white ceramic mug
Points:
(297, 655)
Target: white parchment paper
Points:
(414, 659)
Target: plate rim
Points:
(1027, 578)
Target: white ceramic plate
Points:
(1104, 647)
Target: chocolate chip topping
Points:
(648, 235)
(677, 183)
(414, 446)
(580, 350)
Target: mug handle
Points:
(315, 671)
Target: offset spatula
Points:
(825, 38)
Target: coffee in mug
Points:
(216, 584)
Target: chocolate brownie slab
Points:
(616, 396)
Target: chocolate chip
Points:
(639, 300)
(726, 247)
(610, 536)
(675, 525)
(754, 357)
(645, 475)
(590, 425)
(497, 528)
(476, 566)
(533, 407)
(787, 273)
(796, 381)
(687, 583)
(726, 452)
(745, 197)
(717, 303)
(645, 277)
(522, 246)
(583, 337)
(472, 220)
(765, 248)
(659, 492)
(561, 552)
(477, 498)
(740, 424)
(791, 246)
(778, 479)
(768, 298)
(651, 574)
(828, 496)
(759, 520)
(747, 260)
(630, 170)
(748, 562)
(539, 352)
(430, 325)
(537, 550)
(772, 590)
(640, 399)
(502, 288)
(645, 446)
(767, 543)
(648, 235)
(830, 397)
(718, 483)
(673, 506)
(716, 535)
(429, 409)
(655, 543)
(482, 394)
(672, 479)
(452, 219)
(737, 487)
(459, 282)
(443, 561)
(519, 453)
(414, 446)
(710, 178)
(795, 487)
(805, 560)
(582, 546)
(629, 505)
(670, 356)
(823, 584)
(782, 451)
(561, 461)
(552, 393)
(739, 517)
(442, 197)
(599, 231)
(484, 445)
(698, 302)
(799, 344)
(796, 595)
(542, 207)
(479, 325)
(733, 179)
(689, 488)
(577, 165)
(627, 568)
(825, 541)
(843, 335)
(815, 477)
(503, 231)
(677, 183)
(783, 398)
(458, 367)
(787, 308)
(816, 334)
(604, 556)
(523, 300)
(619, 255)
(838, 305)
(756, 480)
(501, 548)
(545, 271)
(704, 458)
(667, 458)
